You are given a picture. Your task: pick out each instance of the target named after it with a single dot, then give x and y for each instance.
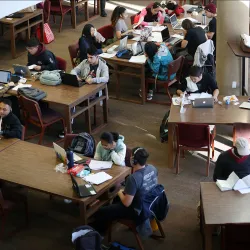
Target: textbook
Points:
(233, 182)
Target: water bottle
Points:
(203, 19)
(70, 159)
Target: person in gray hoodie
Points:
(93, 69)
(111, 148)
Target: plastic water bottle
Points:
(204, 19)
(70, 159)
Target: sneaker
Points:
(67, 201)
(140, 93)
(150, 95)
(61, 135)
(103, 14)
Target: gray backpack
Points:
(51, 78)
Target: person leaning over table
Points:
(236, 159)
(111, 148)
(10, 126)
(93, 69)
(152, 13)
(41, 57)
(198, 82)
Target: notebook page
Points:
(246, 180)
(240, 184)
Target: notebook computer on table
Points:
(167, 38)
(5, 76)
(71, 80)
(203, 103)
(123, 44)
(174, 22)
(196, 8)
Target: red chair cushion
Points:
(48, 116)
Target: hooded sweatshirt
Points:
(44, 58)
(11, 126)
(117, 155)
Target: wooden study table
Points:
(18, 25)
(32, 166)
(5, 143)
(220, 208)
(69, 97)
(219, 114)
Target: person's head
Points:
(210, 10)
(92, 55)
(171, 5)
(242, 146)
(108, 139)
(88, 30)
(156, 7)
(138, 157)
(150, 50)
(33, 45)
(195, 73)
(5, 107)
(187, 24)
(118, 12)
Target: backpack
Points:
(84, 144)
(118, 246)
(164, 127)
(86, 238)
(32, 93)
(50, 78)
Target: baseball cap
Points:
(242, 146)
(211, 8)
(33, 42)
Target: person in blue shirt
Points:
(158, 59)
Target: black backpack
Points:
(84, 144)
(32, 93)
(164, 127)
(89, 239)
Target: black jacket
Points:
(44, 58)
(11, 126)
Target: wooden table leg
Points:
(143, 84)
(171, 151)
(86, 10)
(83, 216)
(13, 41)
(208, 229)
(105, 106)
(117, 76)
(68, 119)
(73, 13)
(88, 120)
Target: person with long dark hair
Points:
(111, 148)
(90, 37)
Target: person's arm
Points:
(97, 155)
(155, 65)
(15, 130)
(213, 86)
(184, 42)
(77, 70)
(182, 87)
(104, 75)
(119, 157)
(50, 62)
(215, 94)
(212, 29)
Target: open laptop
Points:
(167, 38)
(123, 44)
(69, 79)
(196, 8)
(137, 48)
(203, 103)
(5, 76)
(174, 22)
(24, 71)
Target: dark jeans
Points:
(149, 74)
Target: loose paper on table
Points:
(138, 59)
(107, 55)
(98, 178)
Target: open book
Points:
(233, 182)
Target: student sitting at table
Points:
(129, 201)
(93, 69)
(89, 37)
(158, 58)
(154, 13)
(118, 18)
(198, 82)
(236, 159)
(111, 148)
(39, 56)
(10, 126)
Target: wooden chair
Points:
(8, 201)
(241, 130)
(132, 18)
(40, 118)
(195, 137)
(23, 133)
(73, 51)
(57, 9)
(61, 63)
(107, 31)
(175, 67)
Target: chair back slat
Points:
(107, 31)
(61, 63)
(73, 51)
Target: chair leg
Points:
(138, 239)
(95, 115)
(61, 22)
(182, 153)
(168, 93)
(41, 136)
(213, 150)
(110, 233)
(54, 19)
(178, 160)
(208, 161)
(64, 126)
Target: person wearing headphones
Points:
(10, 126)
(129, 204)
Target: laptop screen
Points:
(5, 76)
(173, 19)
(165, 34)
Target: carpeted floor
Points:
(52, 221)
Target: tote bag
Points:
(48, 34)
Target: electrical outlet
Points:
(234, 85)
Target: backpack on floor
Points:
(118, 246)
(84, 144)
(86, 238)
(164, 127)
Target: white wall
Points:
(8, 7)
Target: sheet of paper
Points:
(136, 32)
(205, 95)
(157, 28)
(245, 105)
(98, 165)
(98, 178)
(107, 55)
(178, 36)
(177, 101)
(32, 66)
(232, 179)
(194, 96)
(156, 37)
(245, 191)
(138, 59)
(240, 184)
(20, 85)
(136, 38)
(246, 180)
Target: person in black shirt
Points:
(199, 82)
(210, 11)
(193, 37)
(236, 159)
(10, 126)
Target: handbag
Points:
(32, 93)
(51, 78)
(48, 34)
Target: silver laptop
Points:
(174, 22)
(203, 103)
(5, 76)
(123, 44)
(137, 48)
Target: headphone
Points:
(133, 160)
